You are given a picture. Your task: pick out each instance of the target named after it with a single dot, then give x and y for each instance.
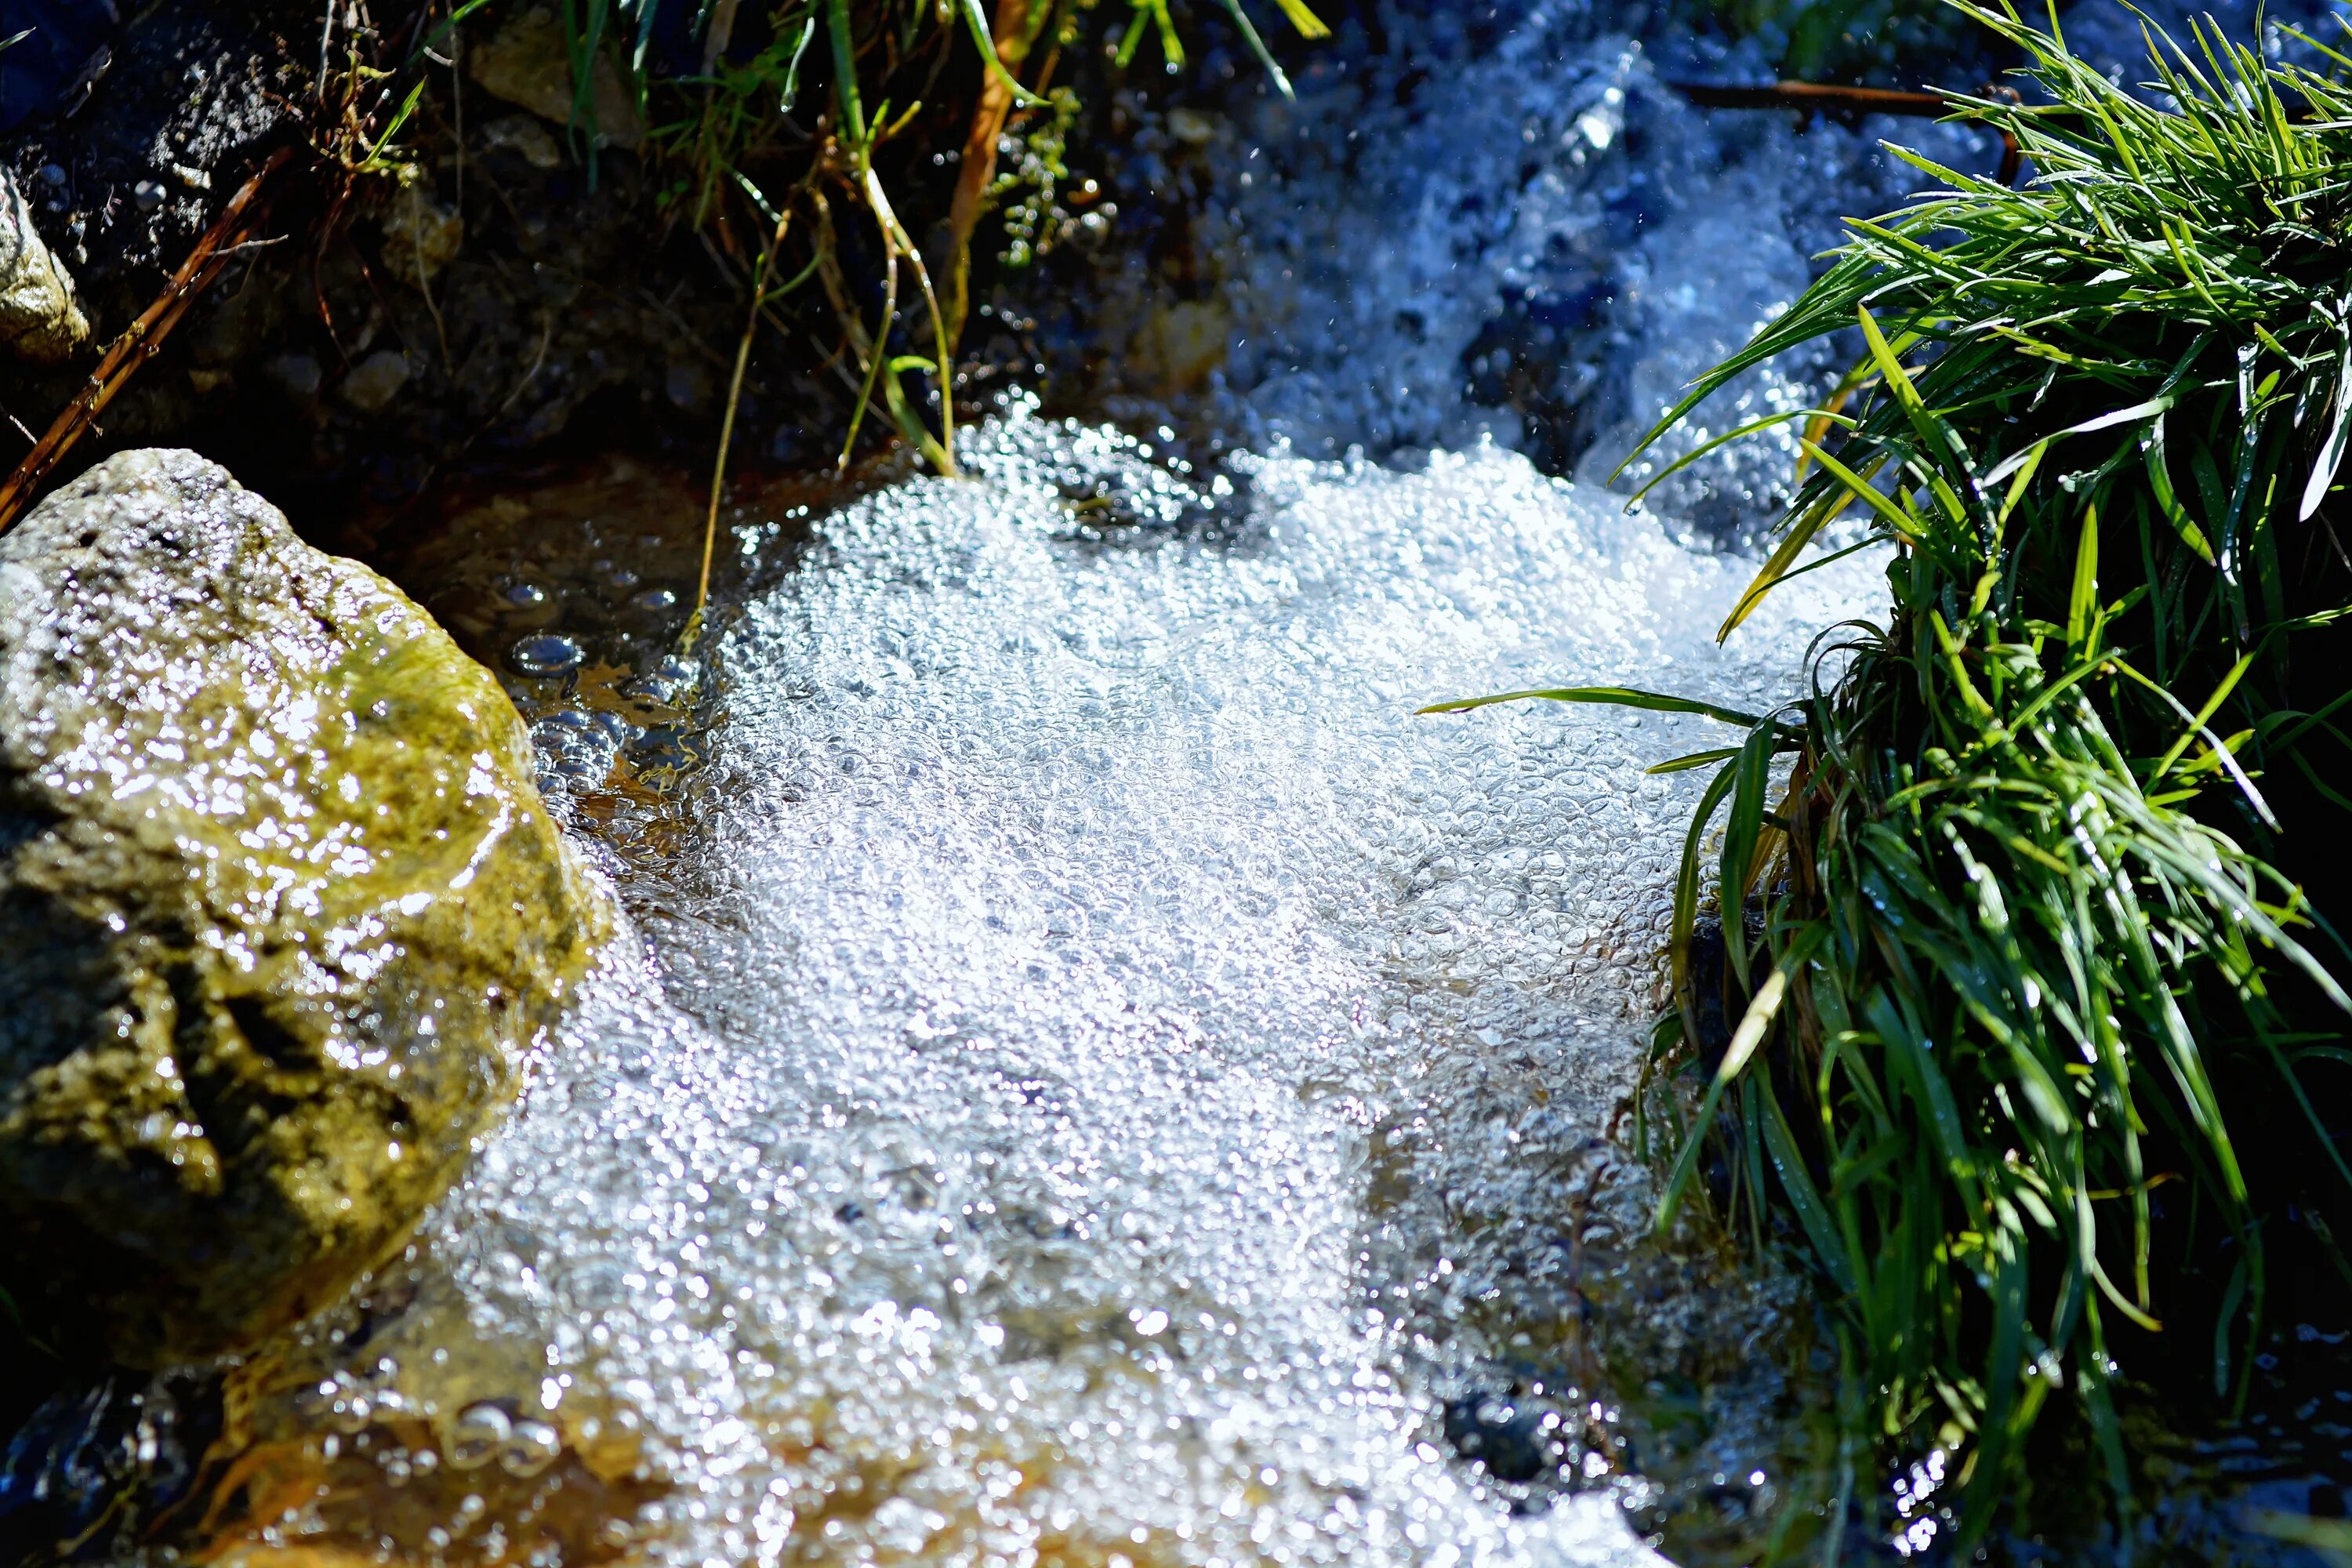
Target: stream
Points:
(1104, 1074)
(1093, 1077)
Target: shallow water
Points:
(1102, 1080)
(1097, 1080)
(1104, 1074)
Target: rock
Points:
(298, 374)
(280, 913)
(421, 236)
(526, 138)
(39, 317)
(527, 62)
(376, 379)
(1179, 346)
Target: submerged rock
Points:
(279, 911)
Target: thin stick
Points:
(424, 278)
(1820, 95)
(727, 421)
(895, 235)
(979, 169)
(137, 345)
(1809, 96)
(874, 353)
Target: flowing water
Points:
(1095, 1078)
(1104, 1074)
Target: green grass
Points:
(824, 118)
(835, 84)
(2039, 1033)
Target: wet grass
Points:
(2040, 1053)
(817, 89)
(776, 146)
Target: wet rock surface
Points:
(279, 911)
(40, 319)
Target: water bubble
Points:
(669, 678)
(479, 1434)
(991, 1120)
(545, 655)
(654, 602)
(350, 1413)
(526, 596)
(529, 1449)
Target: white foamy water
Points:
(1100, 1074)
(1110, 1065)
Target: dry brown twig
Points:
(144, 336)
(1812, 97)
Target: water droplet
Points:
(654, 600)
(529, 1449)
(480, 1431)
(526, 596)
(350, 1413)
(547, 654)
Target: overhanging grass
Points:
(2027, 947)
(807, 126)
(832, 83)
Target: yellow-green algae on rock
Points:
(280, 913)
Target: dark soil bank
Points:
(379, 325)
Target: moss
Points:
(279, 911)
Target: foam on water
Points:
(1101, 1075)
(1106, 1064)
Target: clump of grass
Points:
(858, 74)
(2018, 942)
(834, 83)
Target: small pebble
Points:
(547, 654)
(148, 194)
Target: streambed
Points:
(1101, 1075)
(1097, 1080)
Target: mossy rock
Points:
(280, 914)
